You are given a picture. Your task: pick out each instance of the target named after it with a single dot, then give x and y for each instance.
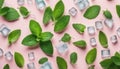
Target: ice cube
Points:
(46, 65)
(4, 30)
(62, 48)
(8, 56)
(118, 32)
(73, 11)
(20, 2)
(1, 52)
(31, 56)
(91, 30)
(40, 4)
(29, 2)
(99, 25)
(31, 66)
(113, 39)
(82, 4)
(93, 42)
(105, 53)
(109, 23)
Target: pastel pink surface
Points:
(23, 24)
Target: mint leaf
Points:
(11, 15)
(6, 66)
(4, 11)
(47, 47)
(117, 54)
(43, 60)
(47, 15)
(35, 28)
(118, 10)
(62, 23)
(62, 64)
(92, 12)
(106, 63)
(58, 10)
(73, 57)
(1, 3)
(46, 36)
(24, 11)
(81, 43)
(80, 28)
(91, 56)
(103, 39)
(116, 60)
(66, 37)
(14, 36)
(107, 14)
(19, 59)
(30, 40)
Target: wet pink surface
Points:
(23, 24)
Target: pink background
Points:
(23, 24)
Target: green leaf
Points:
(62, 64)
(91, 56)
(47, 47)
(62, 23)
(116, 60)
(118, 10)
(113, 66)
(43, 60)
(103, 39)
(80, 43)
(73, 57)
(24, 11)
(66, 37)
(107, 14)
(19, 59)
(35, 28)
(6, 67)
(14, 36)
(92, 67)
(106, 63)
(46, 36)
(4, 11)
(117, 54)
(11, 15)
(80, 28)
(58, 10)
(47, 15)
(30, 40)
(1, 3)
(92, 12)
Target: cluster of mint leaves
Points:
(43, 39)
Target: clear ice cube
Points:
(31, 66)
(113, 39)
(93, 42)
(29, 2)
(31, 56)
(40, 4)
(4, 30)
(82, 4)
(1, 52)
(62, 48)
(20, 2)
(46, 65)
(118, 32)
(91, 30)
(8, 56)
(109, 23)
(99, 25)
(105, 53)
(73, 11)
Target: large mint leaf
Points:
(118, 10)
(81, 43)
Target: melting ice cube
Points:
(20, 2)
(109, 23)
(1, 52)
(8, 56)
(93, 42)
(31, 56)
(29, 2)
(4, 30)
(73, 11)
(31, 66)
(113, 39)
(91, 30)
(105, 53)
(46, 65)
(99, 25)
(40, 4)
